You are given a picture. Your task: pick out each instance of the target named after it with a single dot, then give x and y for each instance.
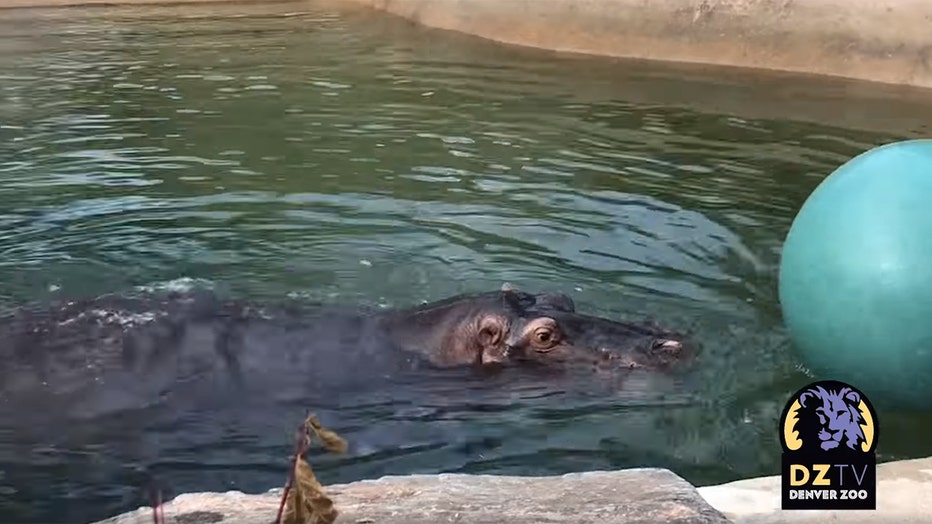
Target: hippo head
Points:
(512, 327)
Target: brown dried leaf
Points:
(332, 442)
(305, 502)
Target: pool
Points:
(309, 150)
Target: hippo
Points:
(86, 357)
(126, 380)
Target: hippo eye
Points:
(543, 338)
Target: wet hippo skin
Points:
(115, 352)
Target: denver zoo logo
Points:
(829, 432)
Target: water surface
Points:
(298, 149)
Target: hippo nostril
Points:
(672, 346)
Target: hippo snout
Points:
(656, 353)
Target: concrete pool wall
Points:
(886, 41)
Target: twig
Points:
(158, 509)
(300, 446)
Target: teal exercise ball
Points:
(855, 280)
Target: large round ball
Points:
(856, 275)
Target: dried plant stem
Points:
(304, 500)
(300, 446)
(158, 508)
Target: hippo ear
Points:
(514, 299)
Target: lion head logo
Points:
(829, 416)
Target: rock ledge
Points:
(633, 496)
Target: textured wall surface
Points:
(878, 40)
(886, 41)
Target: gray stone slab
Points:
(636, 496)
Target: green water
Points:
(298, 149)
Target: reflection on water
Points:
(294, 149)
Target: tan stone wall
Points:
(879, 40)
